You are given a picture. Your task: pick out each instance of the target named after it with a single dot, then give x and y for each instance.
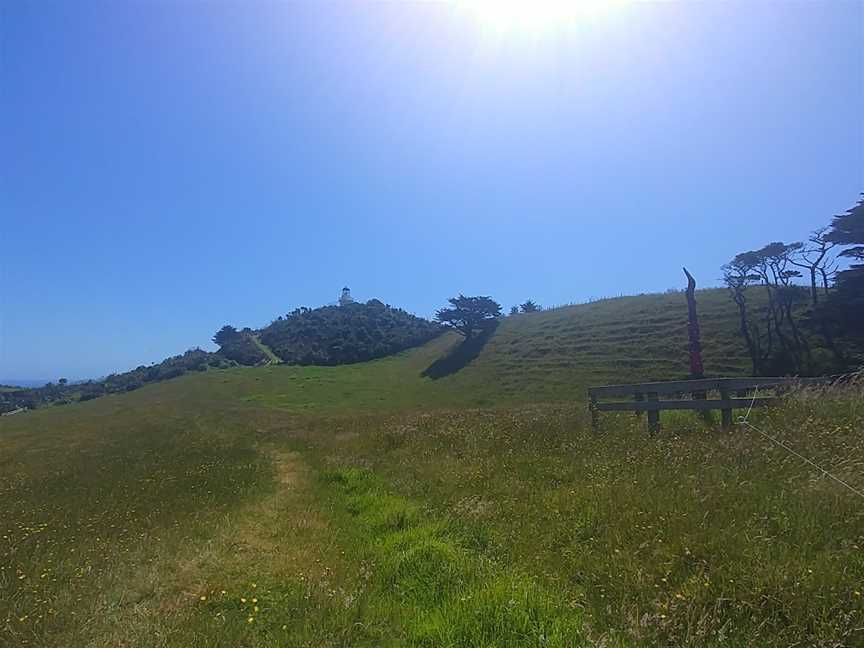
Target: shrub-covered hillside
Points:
(241, 347)
(63, 392)
(355, 332)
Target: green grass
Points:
(428, 588)
(366, 505)
(90, 503)
(543, 355)
(694, 538)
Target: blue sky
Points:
(171, 167)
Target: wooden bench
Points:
(646, 396)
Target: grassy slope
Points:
(334, 500)
(546, 356)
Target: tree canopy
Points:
(846, 305)
(776, 336)
(226, 335)
(848, 229)
(469, 315)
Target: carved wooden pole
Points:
(696, 369)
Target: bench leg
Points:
(654, 422)
(702, 395)
(726, 414)
(653, 416)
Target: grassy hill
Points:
(613, 340)
(367, 505)
(546, 356)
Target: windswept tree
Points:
(226, 336)
(774, 338)
(776, 271)
(848, 230)
(468, 315)
(817, 259)
(774, 333)
(529, 307)
(738, 275)
(846, 303)
(514, 310)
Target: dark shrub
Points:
(171, 372)
(244, 351)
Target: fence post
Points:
(639, 397)
(595, 418)
(726, 413)
(653, 415)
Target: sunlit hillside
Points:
(551, 355)
(369, 505)
(546, 356)
(635, 338)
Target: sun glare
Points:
(533, 15)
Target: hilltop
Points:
(351, 332)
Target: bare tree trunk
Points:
(767, 349)
(779, 315)
(696, 368)
(800, 340)
(814, 292)
(741, 302)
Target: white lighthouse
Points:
(346, 297)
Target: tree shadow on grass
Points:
(460, 356)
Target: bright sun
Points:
(533, 15)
